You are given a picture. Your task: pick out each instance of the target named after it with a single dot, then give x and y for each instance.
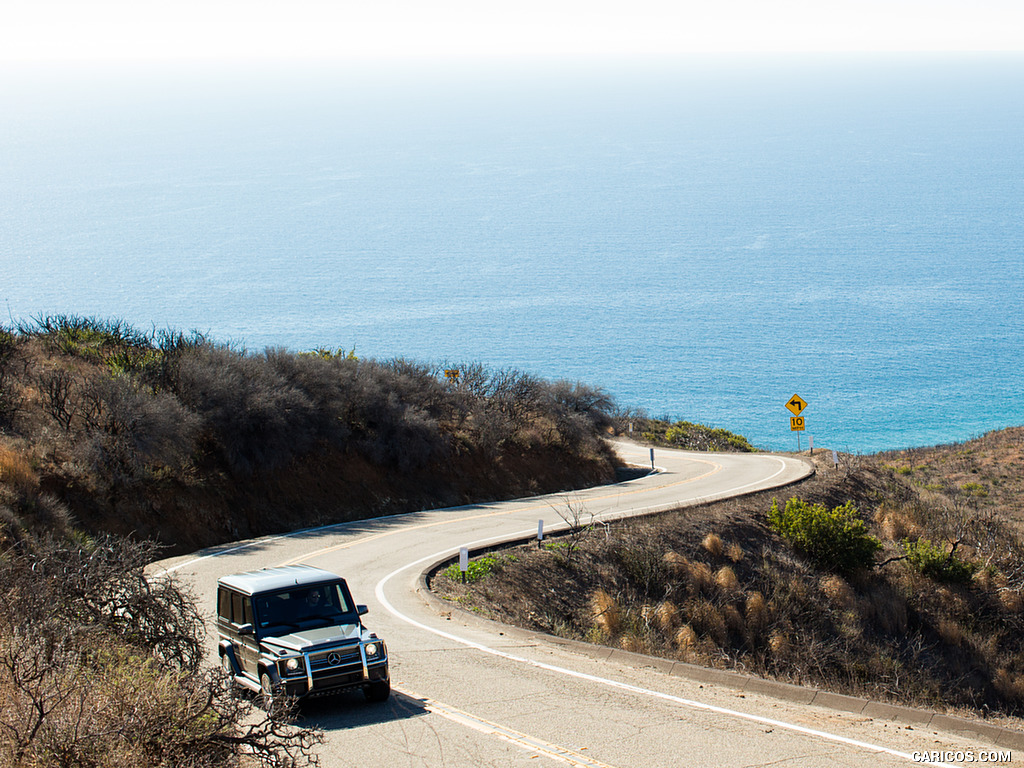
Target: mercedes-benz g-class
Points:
(295, 631)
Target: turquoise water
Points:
(703, 238)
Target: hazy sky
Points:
(118, 29)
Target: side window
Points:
(246, 610)
(224, 604)
(236, 608)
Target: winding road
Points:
(472, 693)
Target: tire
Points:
(227, 665)
(269, 691)
(377, 692)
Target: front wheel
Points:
(269, 691)
(227, 665)
(379, 691)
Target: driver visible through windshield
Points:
(303, 606)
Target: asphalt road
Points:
(471, 693)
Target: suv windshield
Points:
(303, 607)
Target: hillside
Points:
(926, 608)
(177, 439)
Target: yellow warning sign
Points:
(796, 405)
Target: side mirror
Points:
(362, 610)
(246, 629)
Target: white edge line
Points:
(444, 554)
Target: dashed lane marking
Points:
(530, 743)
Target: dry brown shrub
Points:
(895, 525)
(686, 638)
(1011, 600)
(666, 617)
(951, 632)
(839, 592)
(709, 620)
(698, 576)
(733, 618)
(713, 544)
(726, 579)
(634, 643)
(606, 612)
(16, 471)
(779, 643)
(734, 552)
(984, 579)
(756, 611)
(1010, 686)
(674, 563)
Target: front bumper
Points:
(336, 670)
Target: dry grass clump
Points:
(1009, 684)
(709, 620)
(713, 544)
(674, 562)
(950, 631)
(607, 614)
(686, 638)
(699, 576)
(734, 552)
(779, 643)
(726, 579)
(755, 611)
(16, 471)
(666, 617)
(896, 524)
(839, 592)
(695, 574)
(1012, 600)
(635, 643)
(733, 619)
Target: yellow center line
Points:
(406, 528)
(530, 743)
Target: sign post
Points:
(796, 406)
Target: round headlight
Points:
(292, 664)
(372, 649)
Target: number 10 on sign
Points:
(796, 424)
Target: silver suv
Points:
(295, 631)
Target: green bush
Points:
(835, 539)
(690, 436)
(476, 570)
(930, 560)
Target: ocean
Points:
(701, 237)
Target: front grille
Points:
(335, 661)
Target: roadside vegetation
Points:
(118, 446)
(684, 435)
(899, 577)
(100, 668)
(177, 439)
